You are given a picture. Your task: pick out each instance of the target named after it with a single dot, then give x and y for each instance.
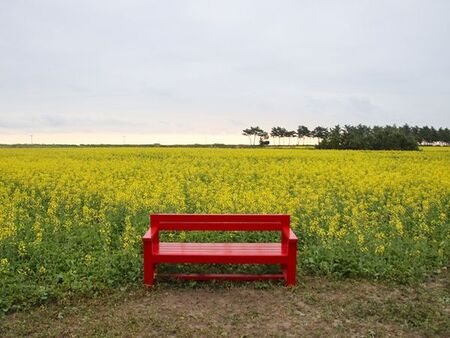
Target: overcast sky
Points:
(109, 68)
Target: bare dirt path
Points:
(317, 307)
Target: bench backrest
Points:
(208, 222)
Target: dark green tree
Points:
(276, 132)
(364, 137)
(290, 134)
(252, 133)
(302, 132)
(320, 133)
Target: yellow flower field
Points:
(71, 219)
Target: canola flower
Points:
(71, 219)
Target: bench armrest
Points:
(292, 236)
(152, 235)
(288, 240)
(288, 236)
(151, 241)
(147, 236)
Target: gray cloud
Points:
(66, 123)
(191, 66)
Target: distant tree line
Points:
(354, 137)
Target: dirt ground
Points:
(316, 307)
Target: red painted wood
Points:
(220, 226)
(287, 236)
(232, 253)
(194, 222)
(219, 249)
(236, 277)
(220, 217)
(284, 253)
(147, 236)
(291, 269)
(149, 264)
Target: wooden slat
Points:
(221, 248)
(224, 259)
(231, 253)
(220, 226)
(232, 277)
(222, 217)
(228, 249)
(195, 222)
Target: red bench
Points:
(283, 253)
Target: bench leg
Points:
(149, 274)
(290, 275)
(149, 266)
(290, 270)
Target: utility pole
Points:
(31, 139)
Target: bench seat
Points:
(242, 253)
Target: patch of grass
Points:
(317, 307)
